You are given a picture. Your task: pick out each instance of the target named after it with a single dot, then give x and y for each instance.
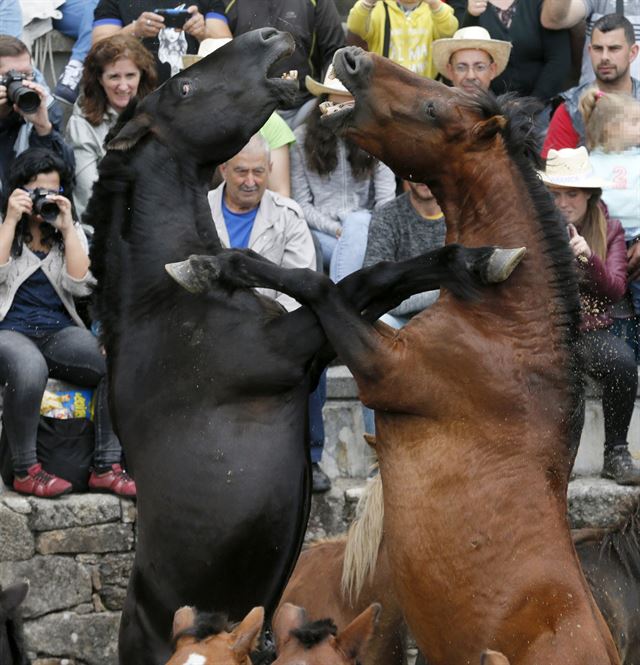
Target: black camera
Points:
(42, 206)
(26, 99)
(173, 18)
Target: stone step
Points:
(347, 455)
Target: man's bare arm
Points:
(560, 14)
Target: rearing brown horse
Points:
(474, 402)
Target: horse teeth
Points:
(291, 75)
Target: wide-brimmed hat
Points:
(330, 86)
(207, 46)
(570, 167)
(473, 37)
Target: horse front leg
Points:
(338, 307)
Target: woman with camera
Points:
(43, 264)
(116, 70)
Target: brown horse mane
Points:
(206, 624)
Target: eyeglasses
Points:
(478, 67)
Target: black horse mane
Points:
(523, 144)
(314, 632)
(623, 542)
(206, 624)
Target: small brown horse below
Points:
(206, 638)
(299, 642)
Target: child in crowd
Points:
(612, 122)
(43, 264)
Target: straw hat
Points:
(570, 167)
(207, 46)
(330, 86)
(473, 37)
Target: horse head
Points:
(319, 643)
(206, 638)
(220, 101)
(432, 124)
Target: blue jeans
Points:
(316, 425)
(77, 22)
(344, 255)
(10, 18)
(71, 354)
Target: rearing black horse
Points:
(209, 391)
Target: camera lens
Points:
(48, 210)
(26, 99)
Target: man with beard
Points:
(612, 50)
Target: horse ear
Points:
(12, 597)
(487, 129)
(245, 636)
(493, 658)
(131, 133)
(287, 618)
(355, 637)
(183, 619)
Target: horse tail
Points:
(363, 540)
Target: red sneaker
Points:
(41, 483)
(116, 480)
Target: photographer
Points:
(26, 110)
(43, 264)
(168, 35)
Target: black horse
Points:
(610, 559)
(13, 650)
(209, 391)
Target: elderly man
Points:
(248, 215)
(32, 118)
(612, 50)
(471, 59)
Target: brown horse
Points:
(316, 585)
(200, 638)
(475, 403)
(300, 642)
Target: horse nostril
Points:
(267, 34)
(351, 60)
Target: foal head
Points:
(207, 639)
(318, 643)
(12, 647)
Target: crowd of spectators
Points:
(347, 200)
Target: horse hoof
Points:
(502, 263)
(183, 273)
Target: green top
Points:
(276, 132)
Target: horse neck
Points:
(171, 216)
(489, 200)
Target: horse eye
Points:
(431, 110)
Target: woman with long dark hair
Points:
(116, 70)
(43, 264)
(598, 245)
(336, 184)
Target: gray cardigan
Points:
(19, 268)
(324, 199)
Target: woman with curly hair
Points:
(43, 264)
(336, 184)
(116, 70)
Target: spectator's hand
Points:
(434, 4)
(40, 118)
(148, 25)
(19, 204)
(195, 26)
(476, 7)
(633, 255)
(64, 221)
(579, 246)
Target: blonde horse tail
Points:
(363, 541)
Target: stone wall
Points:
(77, 553)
